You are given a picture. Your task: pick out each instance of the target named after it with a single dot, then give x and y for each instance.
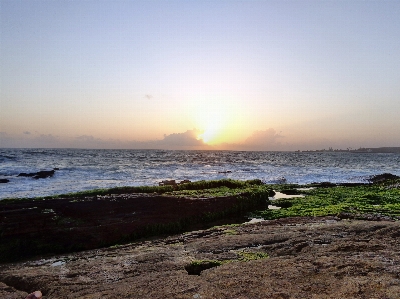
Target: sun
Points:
(218, 120)
(211, 131)
(212, 121)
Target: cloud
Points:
(185, 140)
(29, 140)
(177, 141)
(87, 138)
(188, 138)
(265, 138)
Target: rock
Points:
(323, 184)
(281, 180)
(23, 174)
(380, 178)
(195, 268)
(40, 174)
(311, 257)
(167, 183)
(185, 182)
(59, 225)
(290, 191)
(4, 181)
(44, 174)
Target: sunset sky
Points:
(241, 75)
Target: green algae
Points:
(359, 201)
(217, 187)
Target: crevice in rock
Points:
(196, 267)
(20, 284)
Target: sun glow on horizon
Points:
(211, 131)
(213, 119)
(219, 119)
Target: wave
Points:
(90, 169)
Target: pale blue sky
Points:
(273, 75)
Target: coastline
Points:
(372, 150)
(307, 257)
(79, 170)
(88, 220)
(285, 257)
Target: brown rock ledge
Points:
(62, 225)
(308, 258)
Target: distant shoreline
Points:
(374, 150)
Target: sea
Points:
(87, 169)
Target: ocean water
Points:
(81, 169)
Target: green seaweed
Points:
(362, 201)
(359, 201)
(168, 189)
(245, 256)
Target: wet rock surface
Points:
(308, 258)
(382, 178)
(40, 174)
(60, 225)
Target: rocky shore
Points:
(321, 257)
(172, 244)
(79, 222)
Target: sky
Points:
(225, 75)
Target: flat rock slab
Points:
(308, 258)
(31, 227)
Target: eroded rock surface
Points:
(59, 225)
(308, 258)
